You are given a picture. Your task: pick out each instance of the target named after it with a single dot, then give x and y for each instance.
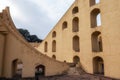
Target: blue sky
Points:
(38, 16)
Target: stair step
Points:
(75, 71)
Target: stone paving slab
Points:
(75, 77)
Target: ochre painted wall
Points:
(13, 46)
(110, 33)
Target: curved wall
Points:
(13, 47)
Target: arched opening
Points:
(96, 40)
(75, 10)
(53, 56)
(98, 20)
(54, 46)
(54, 34)
(40, 70)
(95, 18)
(45, 47)
(100, 43)
(65, 61)
(76, 43)
(17, 67)
(98, 65)
(75, 24)
(93, 2)
(64, 25)
(76, 59)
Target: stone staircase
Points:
(72, 71)
(75, 69)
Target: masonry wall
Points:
(16, 47)
(30, 59)
(2, 39)
(110, 24)
(109, 29)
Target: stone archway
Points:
(75, 24)
(98, 65)
(53, 56)
(95, 17)
(76, 59)
(40, 70)
(96, 40)
(76, 44)
(75, 10)
(17, 66)
(54, 46)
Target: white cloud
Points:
(3, 4)
(38, 16)
(14, 10)
(45, 6)
(54, 9)
(17, 14)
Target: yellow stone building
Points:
(88, 34)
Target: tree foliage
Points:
(30, 38)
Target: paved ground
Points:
(76, 77)
(75, 73)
